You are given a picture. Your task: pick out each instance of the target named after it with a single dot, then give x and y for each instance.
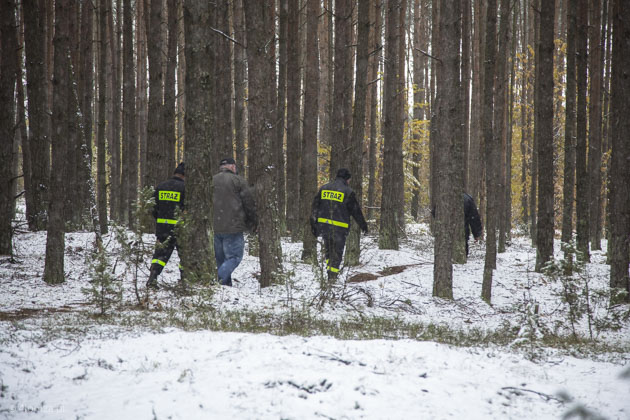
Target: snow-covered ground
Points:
(109, 371)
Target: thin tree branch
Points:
(228, 37)
(427, 54)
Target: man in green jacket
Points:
(234, 213)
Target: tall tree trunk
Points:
(533, 192)
(308, 186)
(115, 184)
(326, 75)
(448, 149)
(476, 166)
(401, 117)
(156, 153)
(466, 81)
(199, 85)
(595, 126)
(620, 171)
(169, 108)
(376, 54)
(62, 129)
(392, 132)
(435, 36)
(342, 88)
(35, 44)
(418, 102)
(491, 151)
(293, 121)
(582, 179)
(101, 183)
(544, 237)
(85, 89)
(262, 117)
(223, 94)
(525, 64)
(240, 84)
(141, 90)
(8, 72)
(130, 138)
(568, 190)
(281, 126)
(353, 251)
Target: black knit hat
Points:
(181, 169)
(344, 173)
(227, 161)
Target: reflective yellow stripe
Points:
(332, 222)
(333, 269)
(167, 221)
(162, 263)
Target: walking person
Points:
(472, 221)
(332, 207)
(169, 198)
(234, 213)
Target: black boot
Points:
(332, 277)
(152, 282)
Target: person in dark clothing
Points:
(169, 197)
(234, 213)
(332, 207)
(472, 221)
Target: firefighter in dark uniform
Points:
(169, 197)
(330, 218)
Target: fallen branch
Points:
(546, 397)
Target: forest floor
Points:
(376, 345)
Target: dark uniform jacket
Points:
(333, 205)
(233, 201)
(471, 215)
(169, 196)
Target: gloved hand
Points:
(365, 229)
(314, 229)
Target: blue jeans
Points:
(228, 251)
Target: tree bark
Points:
(240, 85)
(491, 151)
(376, 55)
(281, 126)
(582, 179)
(101, 183)
(620, 171)
(448, 149)
(342, 88)
(544, 237)
(8, 73)
(130, 138)
(199, 84)
(353, 251)
(169, 108)
(156, 153)
(595, 126)
(293, 121)
(61, 130)
(392, 132)
(262, 117)
(568, 190)
(308, 186)
(38, 158)
(224, 146)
